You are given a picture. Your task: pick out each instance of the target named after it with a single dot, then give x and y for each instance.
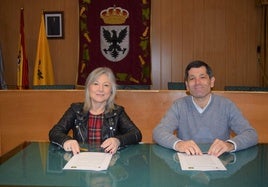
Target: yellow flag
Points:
(43, 70)
(43, 148)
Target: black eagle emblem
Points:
(114, 41)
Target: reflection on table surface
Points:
(41, 163)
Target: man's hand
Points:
(189, 147)
(219, 147)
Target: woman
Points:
(98, 120)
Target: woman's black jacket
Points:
(116, 124)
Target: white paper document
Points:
(96, 161)
(203, 162)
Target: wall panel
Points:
(223, 33)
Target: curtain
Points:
(264, 45)
(115, 34)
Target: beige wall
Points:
(223, 33)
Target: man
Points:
(204, 118)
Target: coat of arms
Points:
(114, 38)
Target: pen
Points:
(83, 149)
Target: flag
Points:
(3, 85)
(43, 70)
(22, 62)
(115, 34)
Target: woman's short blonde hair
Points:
(91, 79)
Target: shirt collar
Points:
(199, 109)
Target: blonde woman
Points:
(98, 120)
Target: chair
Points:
(176, 86)
(133, 87)
(245, 88)
(54, 87)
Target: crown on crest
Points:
(114, 15)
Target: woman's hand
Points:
(110, 145)
(71, 145)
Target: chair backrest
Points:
(54, 87)
(245, 88)
(133, 87)
(176, 86)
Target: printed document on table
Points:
(203, 162)
(96, 161)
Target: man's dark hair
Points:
(198, 64)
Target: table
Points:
(142, 165)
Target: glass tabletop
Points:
(41, 164)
